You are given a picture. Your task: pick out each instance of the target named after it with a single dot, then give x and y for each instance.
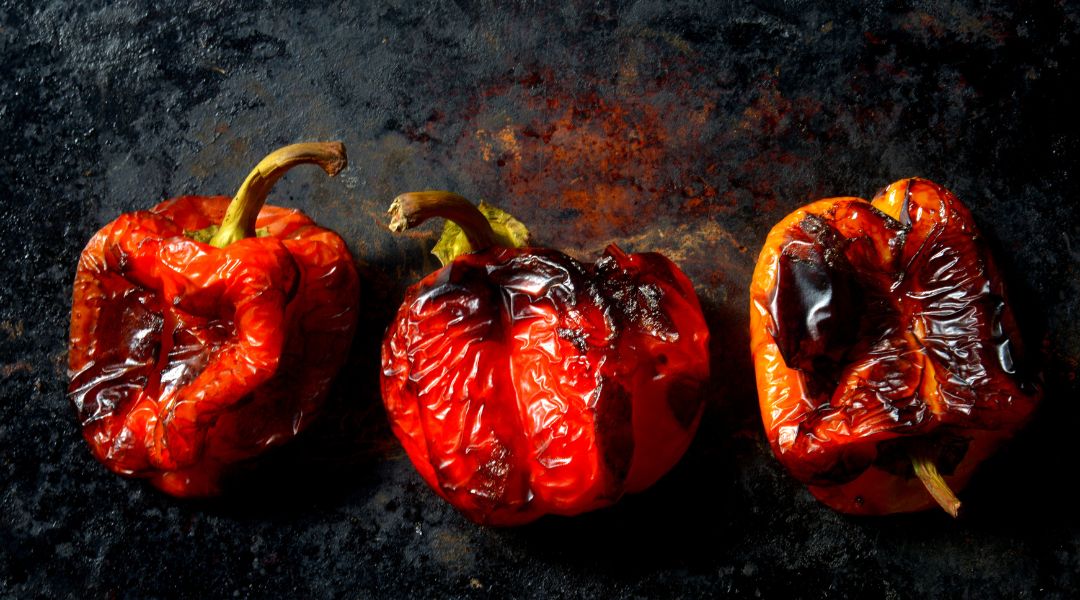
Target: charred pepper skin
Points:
(522, 382)
(186, 358)
(884, 348)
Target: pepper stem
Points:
(239, 221)
(927, 472)
(413, 208)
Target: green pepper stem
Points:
(927, 472)
(239, 221)
(413, 208)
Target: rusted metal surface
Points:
(685, 129)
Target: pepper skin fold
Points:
(888, 361)
(187, 357)
(522, 382)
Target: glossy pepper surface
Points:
(522, 382)
(888, 360)
(186, 356)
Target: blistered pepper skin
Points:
(522, 382)
(185, 358)
(880, 329)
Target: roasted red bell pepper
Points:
(186, 356)
(522, 382)
(888, 360)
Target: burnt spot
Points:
(817, 302)
(490, 479)
(615, 429)
(684, 400)
(632, 304)
(575, 336)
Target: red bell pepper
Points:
(888, 360)
(522, 382)
(187, 357)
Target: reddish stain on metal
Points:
(598, 165)
(665, 163)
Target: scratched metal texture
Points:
(687, 128)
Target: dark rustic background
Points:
(683, 128)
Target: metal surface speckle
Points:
(687, 129)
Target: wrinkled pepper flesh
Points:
(888, 361)
(522, 382)
(207, 329)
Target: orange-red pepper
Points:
(193, 346)
(888, 360)
(522, 382)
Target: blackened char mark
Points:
(490, 484)
(615, 429)
(576, 336)
(684, 400)
(817, 302)
(634, 305)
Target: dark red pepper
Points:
(888, 359)
(187, 357)
(522, 382)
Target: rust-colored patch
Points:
(598, 162)
(771, 117)
(11, 368)
(960, 23)
(582, 160)
(452, 550)
(13, 330)
(588, 164)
